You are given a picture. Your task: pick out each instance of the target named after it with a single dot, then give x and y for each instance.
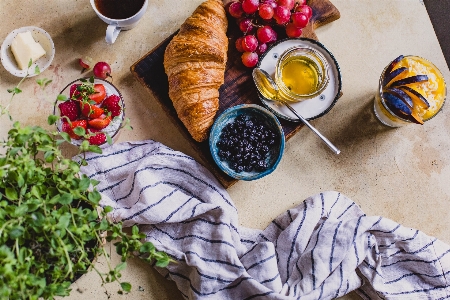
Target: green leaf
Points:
(135, 230)
(64, 221)
(125, 286)
(37, 71)
(94, 197)
(21, 210)
(85, 182)
(91, 79)
(49, 156)
(95, 149)
(163, 262)
(121, 266)
(147, 247)
(108, 209)
(79, 130)
(61, 97)
(17, 90)
(52, 119)
(48, 82)
(65, 198)
(65, 136)
(16, 232)
(109, 139)
(11, 193)
(30, 62)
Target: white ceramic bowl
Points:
(42, 37)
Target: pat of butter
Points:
(24, 48)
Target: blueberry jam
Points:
(246, 143)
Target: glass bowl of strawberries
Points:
(90, 109)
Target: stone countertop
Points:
(401, 174)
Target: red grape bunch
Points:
(257, 18)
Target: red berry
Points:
(100, 123)
(265, 34)
(74, 93)
(99, 93)
(300, 2)
(287, 3)
(113, 105)
(235, 9)
(97, 139)
(250, 43)
(250, 6)
(90, 110)
(69, 109)
(293, 31)
(239, 44)
(265, 11)
(249, 59)
(69, 127)
(307, 10)
(245, 25)
(282, 15)
(261, 49)
(299, 19)
(102, 70)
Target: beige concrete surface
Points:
(402, 174)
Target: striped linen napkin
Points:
(321, 249)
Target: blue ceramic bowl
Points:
(270, 120)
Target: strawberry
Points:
(69, 127)
(100, 123)
(97, 139)
(112, 104)
(69, 109)
(74, 92)
(99, 94)
(91, 111)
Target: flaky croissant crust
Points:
(194, 62)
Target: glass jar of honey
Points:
(301, 73)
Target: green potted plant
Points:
(51, 224)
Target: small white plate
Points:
(42, 37)
(311, 108)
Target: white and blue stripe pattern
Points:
(321, 249)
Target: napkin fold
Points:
(321, 249)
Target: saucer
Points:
(312, 108)
(42, 37)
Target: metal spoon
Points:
(269, 90)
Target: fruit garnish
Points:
(422, 101)
(69, 109)
(402, 95)
(100, 123)
(90, 110)
(262, 16)
(102, 70)
(85, 62)
(393, 64)
(112, 105)
(390, 76)
(396, 104)
(69, 127)
(409, 80)
(96, 139)
(99, 93)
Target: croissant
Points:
(194, 62)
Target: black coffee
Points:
(119, 9)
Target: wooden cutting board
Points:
(238, 87)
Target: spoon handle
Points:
(329, 144)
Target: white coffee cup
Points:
(117, 25)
